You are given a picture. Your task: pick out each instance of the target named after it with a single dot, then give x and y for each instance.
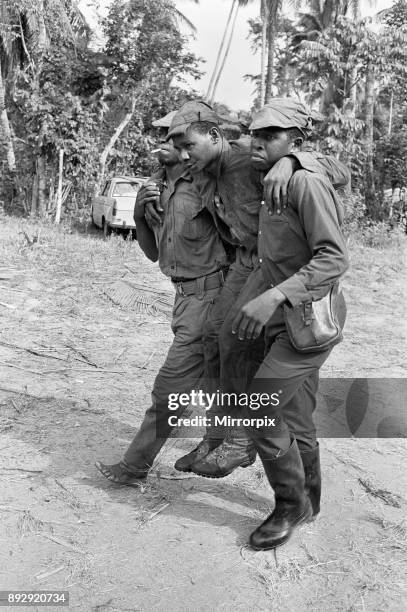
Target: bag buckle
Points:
(308, 315)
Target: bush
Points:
(378, 235)
(355, 208)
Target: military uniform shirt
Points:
(302, 252)
(189, 245)
(232, 190)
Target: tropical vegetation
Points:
(77, 110)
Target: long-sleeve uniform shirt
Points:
(219, 206)
(189, 245)
(302, 251)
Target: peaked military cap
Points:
(165, 121)
(191, 112)
(283, 113)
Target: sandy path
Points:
(174, 544)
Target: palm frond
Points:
(181, 18)
(144, 300)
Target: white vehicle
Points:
(113, 208)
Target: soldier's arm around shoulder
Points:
(314, 161)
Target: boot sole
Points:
(307, 518)
(185, 470)
(214, 476)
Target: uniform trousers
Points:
(181, 372)
(267, 365)
(243, 280)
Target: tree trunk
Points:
(5, 130)
(350, 106)
(218, 57)
(107, 150)
(41, 173)
(390, 113)
(232, 29)
(353, 88)
(271, 35)
(34, 194)
(370, 195)
(59, 190)
(264, 12)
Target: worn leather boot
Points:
(286, 476)
(228, 456)
(312, 470)
(184, 464)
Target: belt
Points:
(198, 285)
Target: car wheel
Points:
(107, 230)
(134, 234)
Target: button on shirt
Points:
(189, 245)
(302, 251)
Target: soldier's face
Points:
(167, 155)
(268, 146)
(196, 150)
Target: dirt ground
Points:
(76, 370)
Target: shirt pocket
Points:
(277, 240)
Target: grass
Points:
(27, 524)
(361, 575)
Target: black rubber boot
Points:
(184, 464)
(312, 470)
(228, 456)
(286, 475)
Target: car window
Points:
(125, 188)
(106, 188)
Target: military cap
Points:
(283, 113)
(191, 112)
(165, 121)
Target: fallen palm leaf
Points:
(133, 298)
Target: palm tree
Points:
(181, 18)
(224, 48)
(264, 17)
(209, 93)
(271, 14)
